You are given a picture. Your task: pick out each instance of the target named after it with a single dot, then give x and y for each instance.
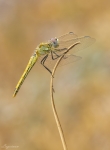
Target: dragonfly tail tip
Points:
(14, 94)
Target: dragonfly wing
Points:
(84, 41)
(68, 58)
(67, 36)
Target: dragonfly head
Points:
(54, 42)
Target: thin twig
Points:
(52, 98)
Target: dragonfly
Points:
(46, 53)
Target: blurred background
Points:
(82, 89)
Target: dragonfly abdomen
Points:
(31, 63)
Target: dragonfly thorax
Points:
(43, 48)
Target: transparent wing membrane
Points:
(69, 58)
(67, 36)
(84, 43)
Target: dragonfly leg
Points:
(43, 61)
(62, 49)
(55, 55)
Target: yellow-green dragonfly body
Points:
(42, 49)
(55, 47)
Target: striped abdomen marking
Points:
(31, 63)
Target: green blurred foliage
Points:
(82, 89)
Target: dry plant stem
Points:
(52, 99)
